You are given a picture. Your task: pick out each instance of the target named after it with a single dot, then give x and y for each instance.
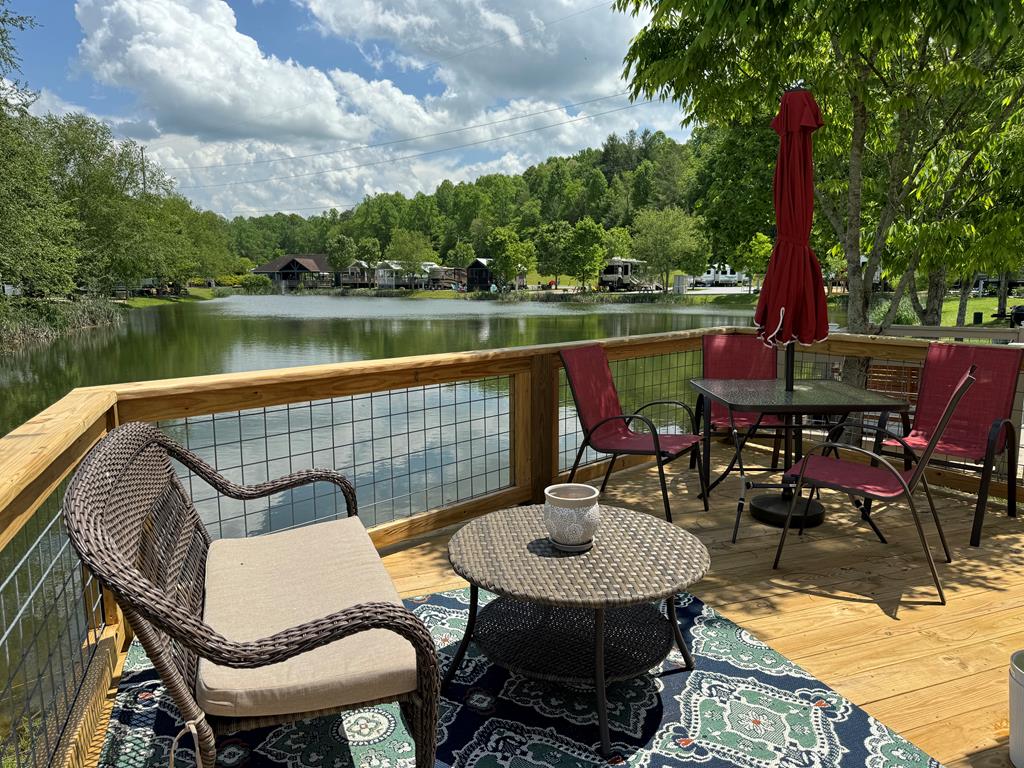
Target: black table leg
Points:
(460, 652)
(876, 447)
(599, 683)
(706, 446)
(673, 616)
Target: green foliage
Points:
(915, 96)
(552, 242)
(586, 252)
(254, 284)
(512, 256)
(368, 250)
(752, 257)
(905, 313)
(462, 255)
(618, 243)
(669, 240)
(410, 249)
(38, 249)
(341, 250)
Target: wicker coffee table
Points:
(604, 615)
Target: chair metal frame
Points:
(661, 457)
(907, 486)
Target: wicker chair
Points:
(215, 618)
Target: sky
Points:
(255, 106)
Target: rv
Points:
(621, 275)
(720, 274)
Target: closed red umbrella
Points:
(791, 307)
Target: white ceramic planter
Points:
(571, 515)
(1017, 709)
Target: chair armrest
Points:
(629, 421)
(246, 492)
(195, 634)
(865, 428)
(684, 406)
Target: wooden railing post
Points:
(543, 419)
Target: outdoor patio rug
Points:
(743, 705)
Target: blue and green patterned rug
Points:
(743, 705)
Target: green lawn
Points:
(986, 305)
(194, 294)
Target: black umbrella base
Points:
(771, 509)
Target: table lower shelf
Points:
(558, 644)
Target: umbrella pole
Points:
(790, 364)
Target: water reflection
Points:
(254, 332)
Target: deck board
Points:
(859, 615)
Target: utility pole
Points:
(142, 157)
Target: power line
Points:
(385, 161)
(538, 27)
(396, 141)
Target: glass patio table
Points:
(809, 397)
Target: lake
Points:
(242, 333)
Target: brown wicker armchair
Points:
(215, 618)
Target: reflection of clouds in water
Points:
(406, 451)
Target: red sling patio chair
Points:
(982, 429)
(880, 479)
(607, 429)
(735, 356)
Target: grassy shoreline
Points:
(26, 321)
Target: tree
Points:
(617, 243)
(732, 184)
(901, 83)
(669, 240)
(752, 257)
(552, 244)
(410, 249)
(341, 251)
(586, 252)
(462, 255)
(512, 257)
(368, 250)
(37, 247)
(14, 96)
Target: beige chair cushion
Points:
(262, 585)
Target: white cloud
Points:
(189, 65)
(216, 98)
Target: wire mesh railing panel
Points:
(405, 450)
(51, 612)
(639, 380)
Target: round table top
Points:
(636, 558)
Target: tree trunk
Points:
(1004, 293)
(965, 294)
(935, 296)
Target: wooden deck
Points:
(859, 615)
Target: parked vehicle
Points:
(720, 274)
(1017, 316)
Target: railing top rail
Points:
(37, 455)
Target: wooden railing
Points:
(38, 456)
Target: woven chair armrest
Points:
(207, 643)
(867, 428)
(260, 490)
(678, 404)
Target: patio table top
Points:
(809, 396)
